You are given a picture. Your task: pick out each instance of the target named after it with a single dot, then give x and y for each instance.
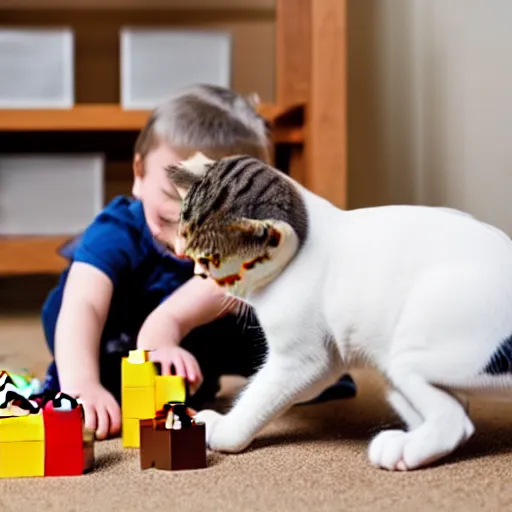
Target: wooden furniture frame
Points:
(307, 120)
(311, 70)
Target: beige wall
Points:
(430, 105)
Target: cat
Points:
(422, 294)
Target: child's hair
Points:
(211, 119)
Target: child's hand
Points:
(185, 364)
(102, 412)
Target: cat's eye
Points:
(274, 238)
(204, 262)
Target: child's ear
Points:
(138, 173)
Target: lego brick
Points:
(63, 459)
(171, 449)
(63, 427)
(22, 428)
(64, 454)
(154, 446)
(137, 375)
(21, 459)
(138, 402)
(131, 435)
(169, 388)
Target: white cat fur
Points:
(422, 294)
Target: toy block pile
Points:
(43, 435)
(144, 393)
(156, 419)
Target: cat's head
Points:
(241, 220)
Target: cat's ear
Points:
(189, 172)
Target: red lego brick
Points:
(64, 460)
(64, 446)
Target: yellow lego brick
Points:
(131, 433)
(169, 388)
(22, 428)
(138, 402)
(137, 375)
(21, 458)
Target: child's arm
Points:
(83, 313)
(199, 301)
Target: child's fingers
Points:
(179, 366)
(198, 374)
(90, 416)
(200, 377)
(165, 367)
(103, 422)
(191, 369)
(165, 362)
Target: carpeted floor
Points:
(314, 458)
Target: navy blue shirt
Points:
(119, 243)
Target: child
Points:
(125, 289)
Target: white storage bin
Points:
(36, 68)
(50, 194)
(156, 62)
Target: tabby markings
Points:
(259, 259)
(233, 278)
(228, 280)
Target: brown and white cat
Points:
(422, 294)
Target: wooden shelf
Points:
(243, 5)
(87, 117)
(31, 255)
(111, 117)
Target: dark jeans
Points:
(223, 347)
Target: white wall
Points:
(430, 105)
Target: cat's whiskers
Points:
(227, 305)
(245, 316)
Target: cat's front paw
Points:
(221, 435)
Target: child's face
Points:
(160, 199)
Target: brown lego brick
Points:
(172, 449)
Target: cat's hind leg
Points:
(435, 353)
(386, 450)
(438, 428)
(404, 409)
(409, 414)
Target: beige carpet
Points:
(314, 458)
